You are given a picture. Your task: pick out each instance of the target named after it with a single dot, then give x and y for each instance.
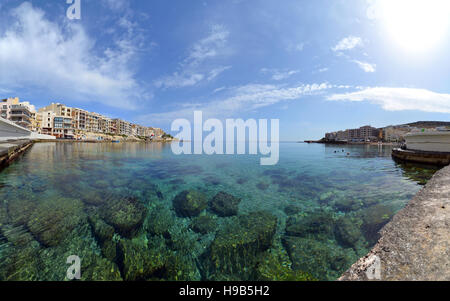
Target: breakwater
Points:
(415, 245)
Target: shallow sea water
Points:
(307, 218)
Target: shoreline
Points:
(415, 245)
(102, 141)
(350, 143)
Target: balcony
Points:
(20, 114)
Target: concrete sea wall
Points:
(9, 151)
(415, 245)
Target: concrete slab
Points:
(415, 245)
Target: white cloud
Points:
(295, 47)
(180, 80)
(399, 99)
(348, 43)
(193, 70)
(279, 74)
(208, 47)
(37, 53)
(367, 67)
(115, 4)
(241, 99)
(217, 71)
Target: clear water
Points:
(111, 205)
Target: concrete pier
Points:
(415, 245)
(10, 150)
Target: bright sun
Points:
(416, 25)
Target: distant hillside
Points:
(429, 124)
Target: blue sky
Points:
(317, 66)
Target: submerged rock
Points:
(100, 184)
(109, 250)
(316, 223)
(320, 259)
(204, 224)
(160, 221)
(18, 236)
(275, 265)
(3, 214)
(20, 210)
(93, 198)
(347, 205)
(97, 268)
(225, 204)
(189, 203)
(347, 232)
(181, 268)
(292, 209)
(241, 181)
(21, 264)
(139, 261)
(374, 218)
(53, 220)
(102, 230)
(262, 186)
(236, 247)
(126, 215)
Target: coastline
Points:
(105, 141)
(350, 143)
(415, 245)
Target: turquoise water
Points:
(122, 210)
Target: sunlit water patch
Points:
(135, 211)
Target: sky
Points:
(317, 66)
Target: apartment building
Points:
(364, 133)
(56, 120)
(342, 135)
(21, 113)
(79, 117)
(123, 127)
(138, 130)
(65, 122)
(395, 134)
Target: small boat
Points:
(115, 141)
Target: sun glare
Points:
(416, 25)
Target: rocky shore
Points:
(415, 245)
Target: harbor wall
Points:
(415, 245)
(9, 151)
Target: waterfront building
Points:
(21, 113)
(330, 136)
(123, 127)
(65, 122)
(362, 134)
(56, 120)
(342, 136)
(396, 133)
(138, 130)
(79, 119)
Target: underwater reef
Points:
(132, 239)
